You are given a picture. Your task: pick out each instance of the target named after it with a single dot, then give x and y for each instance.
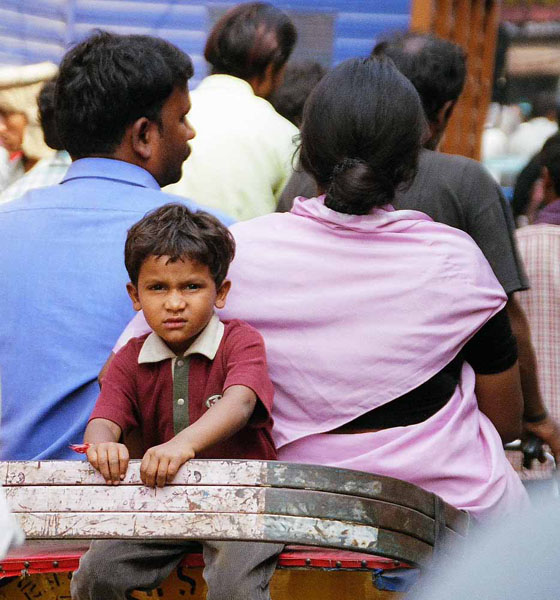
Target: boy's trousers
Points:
(233, 570)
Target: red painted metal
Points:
(55, 557)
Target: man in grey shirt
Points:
(460, 192)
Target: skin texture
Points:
(178, 300)
(12, 128)
(160, 148)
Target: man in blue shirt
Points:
(121, 106)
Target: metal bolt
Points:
(364, 563)
(308, 561)
(55, 564)
(26, 564)
(397, 563)
(338, 564)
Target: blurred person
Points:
(242, 154)
(299, 80)
(288, 100)
(460, 192)
(121, 104)
(539, 245)
(494, 140)
(48, 171)
(20, 131)
(530, 136)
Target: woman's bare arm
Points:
(501, 400)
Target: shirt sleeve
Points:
(492, 228)
(493, 349)
(118, 398)
(246, 364)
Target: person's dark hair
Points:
(109, 81)
(545, 104)
(550, 158)
(173, 230)
(436, 67)
(47, 115)
(362, 131)
(248, 38)
(299, 80)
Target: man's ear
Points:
(221, 296)
(141, 134)
(133, 293)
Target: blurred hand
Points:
(110, 459)
(161, 463)
(548, 430)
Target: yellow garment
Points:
(242, 153)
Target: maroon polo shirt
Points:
(141, 395)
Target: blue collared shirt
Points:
(63, 300)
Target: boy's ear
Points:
(133, 293)
(221, 296)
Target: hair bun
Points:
(354, 184)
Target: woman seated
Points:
(386, 334)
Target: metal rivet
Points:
(397, 563)
(364, 563)
(55, 564)
(338, 564)
(307, 561)
(26, 564)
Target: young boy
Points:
(195, 387)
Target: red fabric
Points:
(141, 395)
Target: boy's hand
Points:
(110, 459)
(161, 463)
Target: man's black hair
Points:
(109, 81)
(173, 230)
(299, 80)
(436, 67)
(47, 115)
(550, 158)
(248, 38)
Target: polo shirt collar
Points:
(154, 349)
(229, 82)
(110, 169)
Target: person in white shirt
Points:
(243, 152)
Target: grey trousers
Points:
(233, 570)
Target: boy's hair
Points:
(248, 38)
(550, 158)
(173, 230)
(109, 81)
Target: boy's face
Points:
(178, 298)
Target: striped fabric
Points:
(539, 246)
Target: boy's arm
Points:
(105, 453)
(161, 463)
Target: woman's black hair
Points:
(248, 38)
(363, 127)
(109, 81)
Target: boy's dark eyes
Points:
(192, 286)
(156, 286)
